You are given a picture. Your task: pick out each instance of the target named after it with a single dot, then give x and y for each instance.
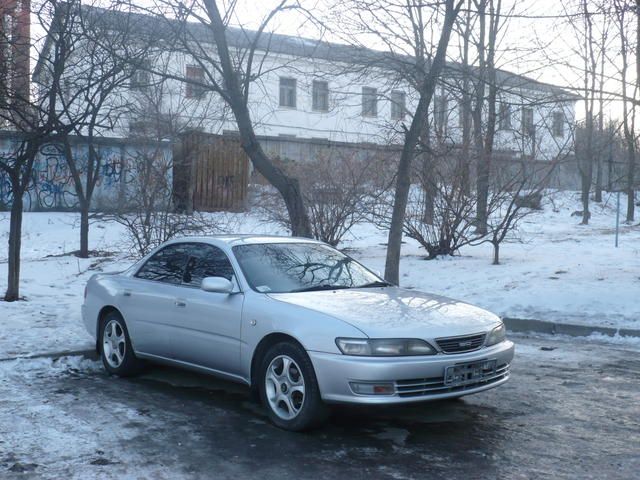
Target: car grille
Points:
(423, 387)
(466, 343)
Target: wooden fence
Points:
(210, 173)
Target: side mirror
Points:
(216, 285)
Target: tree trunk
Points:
(412, 136)
(631, 168)
(15, 237)
(482, 185)
(482, 167)
(401, 198)
(496, 253)
(631, 171)
(598, 192)
(288, 187)
(84, 230)
(586, 189)
(464, 160)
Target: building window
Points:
(195, 74)
(398, 105)
(369, 102)
(320, 95)
(140, 77)
(558, 124)
(440, 113)
(504, 117)
(528, 127)
(288, 92)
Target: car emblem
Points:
(467, 343)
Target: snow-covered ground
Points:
(562, 271)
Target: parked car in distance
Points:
(296, 319)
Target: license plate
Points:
(465, 373)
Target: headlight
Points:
(497, 335)
(383, 347)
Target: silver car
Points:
(295, 319)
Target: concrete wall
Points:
(562, 174)
(52, 185)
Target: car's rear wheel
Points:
(289, 389)
(115, 346)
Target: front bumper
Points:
(415, 379)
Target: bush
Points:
(147, 212)
(338, 190)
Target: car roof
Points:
(242, 239)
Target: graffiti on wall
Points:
(52, 186)
(53, 182)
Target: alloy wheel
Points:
(284, 385)
(114, 343)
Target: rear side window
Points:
(167, 265)
(206, 261)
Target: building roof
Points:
(241, 38)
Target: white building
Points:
(317, 90)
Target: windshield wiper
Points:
(377, 283)
(316, 288)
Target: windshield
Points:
(297, 267)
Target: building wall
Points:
(344, 121)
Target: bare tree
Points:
(485, 94)
(95, 62)
(147, 213)
(627, 30)
(25, 113)
(440, 212)
(17, 164)
(158, 114)
(340, 189)
(590, 48)
(402, 27)
(230, 71)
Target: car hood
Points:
(395, 312)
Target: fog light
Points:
(372, 388)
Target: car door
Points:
(149, 302)
(207, 330)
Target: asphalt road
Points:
(570, 411)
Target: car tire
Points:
(289, 388)
(116, 351)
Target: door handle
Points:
(180, 303)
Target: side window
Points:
(167, 265)
(206, 261)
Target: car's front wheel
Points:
(289, 389)
(115, 346)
